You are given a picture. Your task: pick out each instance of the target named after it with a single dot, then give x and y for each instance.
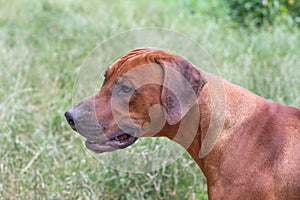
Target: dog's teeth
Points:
(122, 137)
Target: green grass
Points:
(43, 44)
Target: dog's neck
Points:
(205, 108)
(216, 120)
(191, 138)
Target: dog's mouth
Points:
(118, 140)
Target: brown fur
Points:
(256, 156)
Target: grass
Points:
(43, 44)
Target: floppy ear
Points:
(181, 86)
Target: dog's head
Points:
(143, 92)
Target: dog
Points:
(246, 146)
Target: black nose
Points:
(70, 118)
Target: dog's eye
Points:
(126, 89)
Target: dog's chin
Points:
(118, 140)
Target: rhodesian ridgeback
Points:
(247, 147)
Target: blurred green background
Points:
(43, 43)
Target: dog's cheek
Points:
(139, 106)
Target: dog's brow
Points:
(122, 79)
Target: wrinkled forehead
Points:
(138, 65)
